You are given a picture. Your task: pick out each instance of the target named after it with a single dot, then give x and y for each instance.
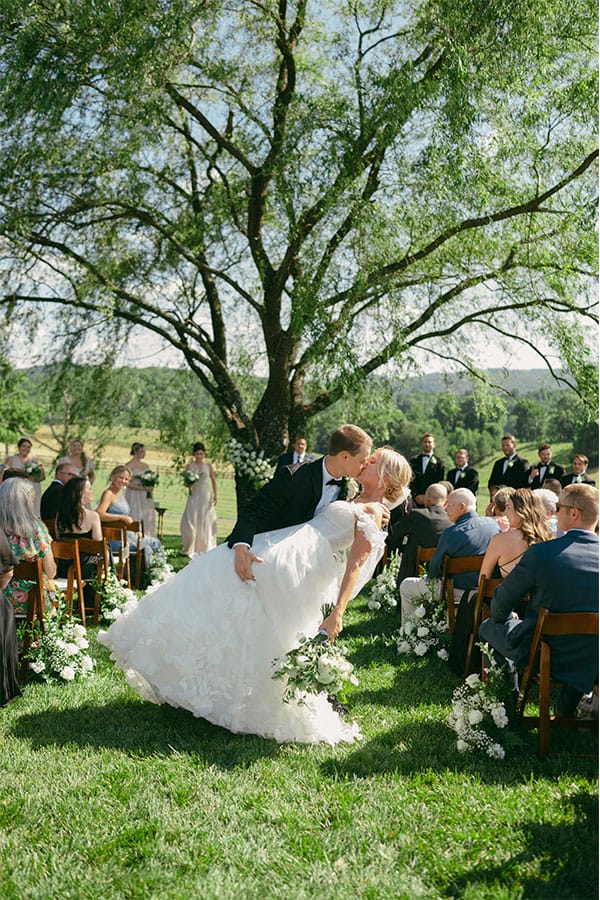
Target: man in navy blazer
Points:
(295, 493)
(296, 457)
(562, 575)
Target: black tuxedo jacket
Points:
(290, 498)
(552, 471)
(516, 475)
(49, 500)
(568, 479)
(469, 479)
(287, 459)
(421, 480)
(422, 528)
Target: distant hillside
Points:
(518, 381)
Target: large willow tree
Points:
(316, 188)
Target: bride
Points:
(205, 640)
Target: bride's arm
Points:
(359, 552)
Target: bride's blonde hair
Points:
(393, 471)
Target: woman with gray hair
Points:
(9, 647)
(28, 539)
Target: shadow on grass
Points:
(553, 855)
(143, 730)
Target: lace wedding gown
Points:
(205, 641)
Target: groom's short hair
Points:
(349, 438)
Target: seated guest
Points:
(9, 648)
(549, 502)
(528, 525)
(297, 456)
(579, 475)
(28, 538)
(75, 520)
(420, 528)
(469, 535)
(511, 469)
(448, 485)
(427, 469)
(113, 506)
(463, 475)
(544, 469)
(552, 484)
(497, 505)
(49, 503)
(561, 575)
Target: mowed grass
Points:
(105, 796)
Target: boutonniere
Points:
(511, 463)
(433, 460)
(350, 489)
(550, 470)
(462, 475)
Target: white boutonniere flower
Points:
(433, 460)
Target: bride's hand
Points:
(243, 559)
(332, 624)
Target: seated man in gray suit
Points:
(420, 528)
(562, 575)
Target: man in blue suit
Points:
(469, 535)
(562, 575)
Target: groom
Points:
(295, 494)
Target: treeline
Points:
(99, 400)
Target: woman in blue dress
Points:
(113, 506)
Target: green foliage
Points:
(19, 415)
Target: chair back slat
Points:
(456, 565)
(31, 570)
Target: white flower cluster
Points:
(384, 592)
(249, 463)
(475, 709)
(426, 629)
(149, 478)
(314, 666)
(116, 599)
(190, 477)
(160, 569)
(60, 654)
(33, 470)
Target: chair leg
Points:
(544, 702)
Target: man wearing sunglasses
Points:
(562, 575)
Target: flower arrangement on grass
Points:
(60, 653)
(479, 714)
(160, 570)
(116, 598)
(427, 628)
(250, 464)
(384, 593)
(314, 666)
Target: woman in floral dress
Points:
(199, 521)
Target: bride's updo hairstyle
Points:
(349, 438)
(393, 471)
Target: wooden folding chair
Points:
(481, 611)
(119, 558)
(539, 671)
(456, 565)
(424, 554)
(68, 551)
(101, 550)
(33, 572)
(137, 527)
(51, 526)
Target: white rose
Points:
(443, 654)
(112, 614)
(420, 612)
(408, 627)
(499, 716)
(392, 602)
(79, 631)
(496, 751)
(421, 649)
(87, 663)
(373, 604)
(68, 674)
(462, 746)
(37, 666)
(71, 649)
(302, 662)
(474, 716)
(422, 631)
(403, 647)
(472, 680)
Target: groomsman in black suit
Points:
(297, 457)
(463, 475)
(511, 470)
(545, 469)
(427, 469)
(579, 474)
(295, 494)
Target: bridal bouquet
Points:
(149, 479)
(478, 713)
(33, 470)
(315, 665)
(426, 628)
(249, 463)
(60, 654)
(385, 593)
(116, 599)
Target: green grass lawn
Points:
(105, 796)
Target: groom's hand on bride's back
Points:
(243, 559)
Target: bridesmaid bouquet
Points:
(190, 478)
(149, 479)
(33, 470)
(315, 665)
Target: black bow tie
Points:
(338, 481)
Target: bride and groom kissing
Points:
(205, 640)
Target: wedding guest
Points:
(544, 469)
(28, 538)
(77, 457)
(427, 469)
(75, 520)
(16, 466)
(528, 525)
(463, 475)
(49, 502)
(497, 505)
(511, 470)
(549, 501)
(551, 484)
(9, 647)
(297, 456)
(138, 495)
(561, 575)
(579, 475)
(420, 528)
(113, 506)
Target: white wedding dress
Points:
(205, 641)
